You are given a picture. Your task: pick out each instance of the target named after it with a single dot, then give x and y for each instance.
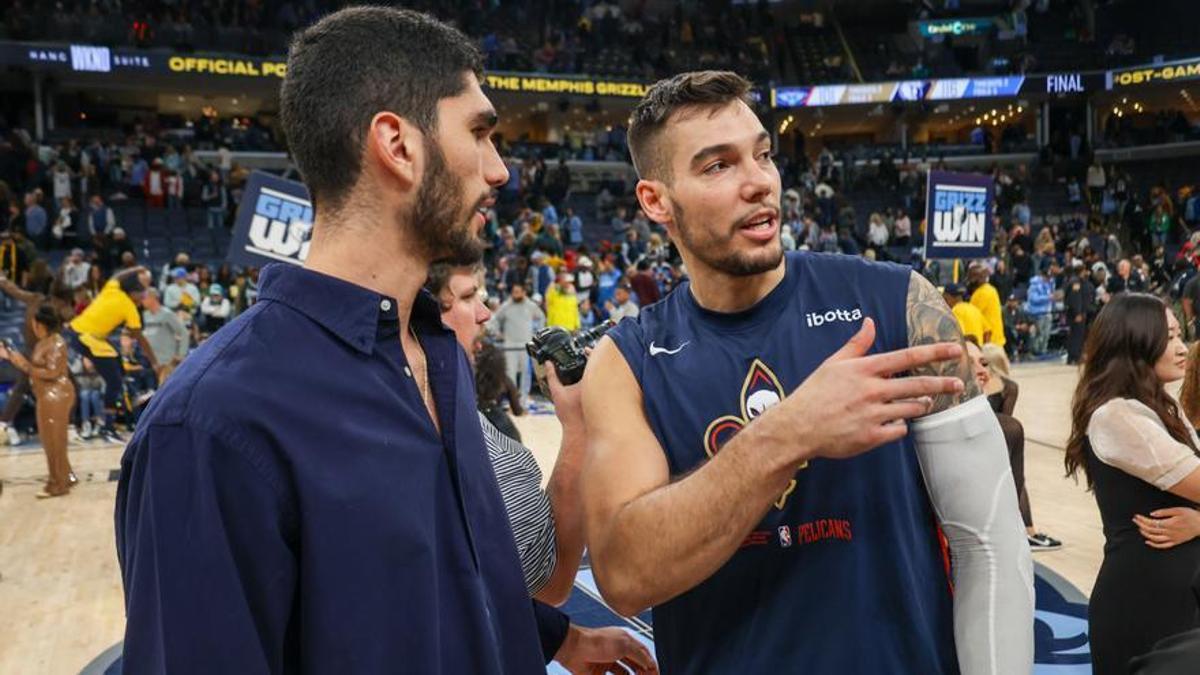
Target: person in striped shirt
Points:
(547, 524)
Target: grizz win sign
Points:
(958, 215)
(273, 223)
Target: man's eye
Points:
(715, 167)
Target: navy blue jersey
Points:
(845, 573)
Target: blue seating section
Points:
(158, 234)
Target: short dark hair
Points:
(48, 317)
(349, 66)
(439, 276)
(709, 89)
(130, 283)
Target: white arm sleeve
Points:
(965, 464)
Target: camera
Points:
(565, 350)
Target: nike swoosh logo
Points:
(656, 351)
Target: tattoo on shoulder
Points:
(930, 320)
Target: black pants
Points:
(1075, 338)
(107, 367)
(16, 399)
(1014, 438)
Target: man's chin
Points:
(751, 263)
(462, 253)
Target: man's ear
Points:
(394, 148)
(655, 201)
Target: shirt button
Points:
(407, 371)
(385, 304)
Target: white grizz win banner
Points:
(273, 224)
(958, 215)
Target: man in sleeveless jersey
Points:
(751, 473)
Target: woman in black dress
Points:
(1140, 456)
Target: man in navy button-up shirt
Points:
(310, 491)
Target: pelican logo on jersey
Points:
(760, 390)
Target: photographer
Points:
(547, 525)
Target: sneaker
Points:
(73, 435)
(110, 435)
(14, 436)
(86, 430)
(1042, 542)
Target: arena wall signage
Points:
(539, 84)
(907, 90)
(76, 58)
(273, 223)
(1175, 71)
(218, 65)
(115, 60)
(958, 217)
(955, 27)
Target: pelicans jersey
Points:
(845, 573)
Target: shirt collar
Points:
(356, 315)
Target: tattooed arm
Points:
(930, 320)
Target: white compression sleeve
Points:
(965, 463)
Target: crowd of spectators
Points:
(600, 38)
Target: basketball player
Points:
(751, 475)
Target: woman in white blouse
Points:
(1140, 457)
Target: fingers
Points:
(1156, 537)
(638, 658)
(898, 411)
(912, 358)
(897, 388)
(1162, 546)
(1168, 512)
(858, 345)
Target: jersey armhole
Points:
(628, 338)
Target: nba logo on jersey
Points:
(785, 536)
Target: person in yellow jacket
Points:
(974, 326)
(88, 334)
(986, 299)
(562, 306)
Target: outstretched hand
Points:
(854, 402)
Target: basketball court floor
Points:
(61, 608)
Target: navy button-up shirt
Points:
(287, 504)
